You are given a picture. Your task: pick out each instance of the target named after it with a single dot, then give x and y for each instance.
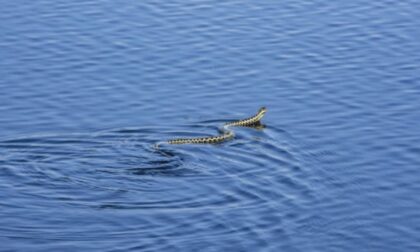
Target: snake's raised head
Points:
(260, 114)
(262, 111)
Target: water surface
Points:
(88, 87)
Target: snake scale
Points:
(226, 133)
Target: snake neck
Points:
(253, 120)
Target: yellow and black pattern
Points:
(226, 132)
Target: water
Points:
(88, 87)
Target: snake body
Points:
(226, 133)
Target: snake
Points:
(226, 132)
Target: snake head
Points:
(262, 111)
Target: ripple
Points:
(124, 160)
(120, 170)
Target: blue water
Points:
(88, 87)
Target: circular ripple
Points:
(219, 186)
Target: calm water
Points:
(87, 88)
